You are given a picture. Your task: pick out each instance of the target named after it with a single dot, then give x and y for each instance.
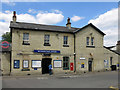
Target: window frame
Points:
(47, 40)
(92, 41)
(65, 40)
(87, 41)
(36, 60)
(17, 67)
(23, 64)
(26, 39)
(66, 64)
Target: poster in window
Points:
(25, 64)
(106, 63)
(16, 63)
(36, 63)
(57, 63)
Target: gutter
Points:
(74, 55)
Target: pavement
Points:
(107, 79)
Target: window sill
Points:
(65, 45)
(65, 68)
(25, 43)
(90, 46)
(47, 44)
(25, 69)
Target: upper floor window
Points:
(65, 41)
(92, 40)
(26, 39)
(46, 40)
(87, 41)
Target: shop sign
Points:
(47, 51)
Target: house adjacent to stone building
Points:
(68, 49)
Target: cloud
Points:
(76, 18)
(32, 11)
(8, 2)
(39, 18)
(108, 23)
(49, 18)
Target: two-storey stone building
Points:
(68, 49)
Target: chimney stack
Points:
(118, 46)
(68, 23)
(14, 16)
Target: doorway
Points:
(90, 61)
(45, 63)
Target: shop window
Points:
(36, 63)
(46, 40)
(26, 39)
(16, 64)
(25, 64)
(65, 41)
(65, 63)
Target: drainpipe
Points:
(74, 55)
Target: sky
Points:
(103, 15)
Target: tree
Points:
(7, 37)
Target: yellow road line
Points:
(114, 88)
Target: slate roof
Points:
(41, 27)
(32, 26)
(112, 50)
(90, 24)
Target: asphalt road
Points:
(91, 80)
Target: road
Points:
(90, 80)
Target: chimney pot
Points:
(118, 46)
(68, 23)
(14, 16)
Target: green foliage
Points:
(7, 37)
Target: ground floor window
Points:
(65, 63)
(16, 63)
(36, 63)
(25, 64)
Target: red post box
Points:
(71, 66)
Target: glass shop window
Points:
(25, 63)
(65, 63)
(16, 64)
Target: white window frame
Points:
(87, 41)
(33, 66)
(92, 41)
(27, 61)
(46, 38)
(65, 40)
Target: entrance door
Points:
(45, 63)
(90, 65)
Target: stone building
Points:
(68, 49)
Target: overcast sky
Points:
(104, 15)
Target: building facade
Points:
(68, 49)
